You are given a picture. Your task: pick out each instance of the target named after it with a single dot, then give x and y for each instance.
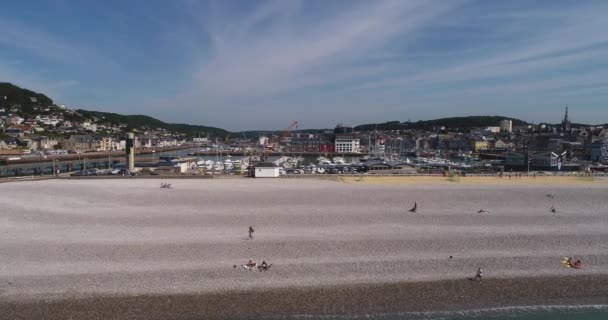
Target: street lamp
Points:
(153, 158)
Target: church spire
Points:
(566, 121)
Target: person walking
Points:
(414, 208)
(251, 233)
(478, 275)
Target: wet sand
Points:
(75, 244)
(446, 295)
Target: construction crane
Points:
(292, 126)
(274, 143)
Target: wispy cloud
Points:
(46, 45)
(573, 39)
(317, 61)
(286, 56)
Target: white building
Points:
(107, 144)
(263, 140)
(121, 145)
(89, 126)
(494, 129)
(347, 144)
(267, 170)
(506, 126)
(15, 120)
(200, 140)
(47, 143)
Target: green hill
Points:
(26, 99)
(449, 123)
(141, 121)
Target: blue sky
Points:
(263, 64)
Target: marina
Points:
(223, 162)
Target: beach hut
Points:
(267, 170)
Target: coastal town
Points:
(61, 140)
(289, 159)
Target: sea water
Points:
(580, 312)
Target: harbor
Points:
(221, 162)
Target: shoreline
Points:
(359, 299)
(354, 179)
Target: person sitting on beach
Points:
(576, 264)
(250, 265)
(263, 266)
(553, 209)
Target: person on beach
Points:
(576, 264)
(250, 265)
(483, 211)
(553, 209)
(251, 233)
(264, 266)
(414, 208)
(478, 275)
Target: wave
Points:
(510, 312)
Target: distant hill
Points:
(142, 121)
(25, 98)
(454, 122)
(259, 133)
(28, 99)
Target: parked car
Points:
(100, 172)
(83, 173)
(127, 172)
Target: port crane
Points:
(274, 143)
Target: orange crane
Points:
(292, 126)
(274, 143)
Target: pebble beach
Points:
(65, 243)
